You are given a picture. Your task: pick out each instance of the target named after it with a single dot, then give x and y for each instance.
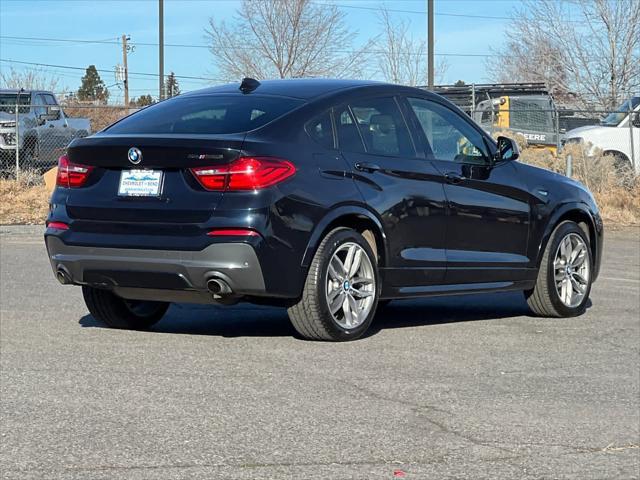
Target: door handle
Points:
(367, 167)
(453, 178)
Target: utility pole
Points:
(161, 48)
(125, 51)
(430, 70)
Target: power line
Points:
(68, 67)
(420, 12)
(183, 45)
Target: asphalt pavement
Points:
(457, 387)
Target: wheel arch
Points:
(582, 216)
(356, 217)
(617, 154)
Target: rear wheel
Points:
(564, 279)
(118, 312)
(341, 290)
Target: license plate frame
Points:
(140, 183)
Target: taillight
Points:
(71, 175)
(245, 173)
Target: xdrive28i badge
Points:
(134, 155)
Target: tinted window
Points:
(450, 137)
(321, 130)
(206, 114)
(8, 102)
(349, 139)
(39, 107)
(382, 127)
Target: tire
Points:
(118, 312)
(311, 315)
(545, 299)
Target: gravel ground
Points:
(457, 387)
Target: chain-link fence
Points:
(32, 137)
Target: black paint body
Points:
(441, 227)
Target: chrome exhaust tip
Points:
(63, 276)
(218, 286)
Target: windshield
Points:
(614, 118)
(206, 114)
(8, 102)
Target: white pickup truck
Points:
(43, 130)
(614, 136)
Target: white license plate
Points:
(140, 183)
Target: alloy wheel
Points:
(350, 285)
(572, 270)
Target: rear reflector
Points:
(58, 225)
(245, 173)
(71, 175)
(233, 232)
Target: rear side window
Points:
(206, 114)
(321, 130)
(382, 127)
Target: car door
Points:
(61, 133)
(488, 204)
(41, 146)
(401, 185)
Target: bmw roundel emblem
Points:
(134, 155)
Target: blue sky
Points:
(185, 21)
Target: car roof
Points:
(303, 88)
(15, 91)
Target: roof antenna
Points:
(248, 85)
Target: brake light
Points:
(245, 173)
(71, 175)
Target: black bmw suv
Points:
(327, 197)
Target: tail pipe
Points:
(63, 276)
(218, 287)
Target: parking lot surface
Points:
(457, 387)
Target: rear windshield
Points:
(206, 114)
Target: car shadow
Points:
(245, 320)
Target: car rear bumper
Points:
(162, 275)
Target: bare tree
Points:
(285, 39)
(29, 79)
(591, 47)
(401, 58)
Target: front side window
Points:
(39, 105)
(206, 114)
(51, 101)
(320, 130)
(382, 127)
(450, 137)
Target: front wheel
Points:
(565, 276)
(118, 312)
(341, 291)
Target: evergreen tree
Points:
(171, 88)
(142, 101)
(92, 87)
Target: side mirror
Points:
(507, 149)
(635, 119)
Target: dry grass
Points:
(617, 193)
(25, 201)
(100, 116)
(616, 190)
